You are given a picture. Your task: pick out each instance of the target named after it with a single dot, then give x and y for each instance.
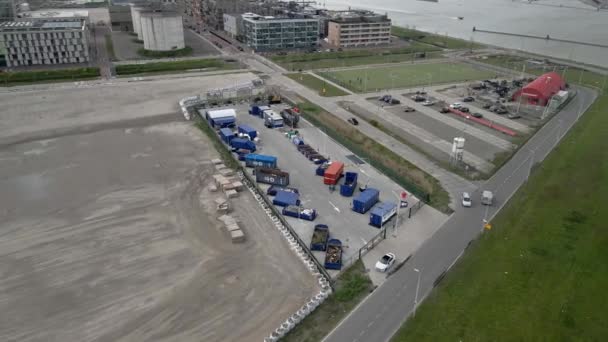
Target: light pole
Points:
(417, 288)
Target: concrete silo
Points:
(162, 31)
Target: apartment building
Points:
(41, 42)
(358, 29)
(7, 10)
(263, 33)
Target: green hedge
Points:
(129, 69)
(10, 78)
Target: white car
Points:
(385, 262)
(466, 200)
(456, 105)
(428, 103)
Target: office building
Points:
(264, 33)
(358, 29)
(42, 42)
(7, 10)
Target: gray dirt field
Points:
(108, 236)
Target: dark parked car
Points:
(409, 109)
(444, 110)
(464, 109)
(468, 99)
(514, 116)
(487, 106)
(418, 98)
(395, 101)
(353, 121)
(501, 111)
(477, 115)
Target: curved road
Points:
(381, 314)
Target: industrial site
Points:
(253, 170)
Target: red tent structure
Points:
(540, 91)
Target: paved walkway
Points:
(405, 240)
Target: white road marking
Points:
(335, 208)
(370, 324)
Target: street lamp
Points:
(417, 288)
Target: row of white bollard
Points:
(313, 302)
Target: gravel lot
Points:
(107, 231)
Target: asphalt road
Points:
(380, 315)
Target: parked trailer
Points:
(226, 134)
(272, 191)
(291, 117)
(350, 183)
(365, 200)
(239, 143)
(381, 213)
(333, 255)
(299, 212)
(285, 198)
(272, 119)
(250, 131)
(253, 160)
(319, 238)
(271, 176)
(333, 173)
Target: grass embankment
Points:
(320, 60)
(405, 76)
(110, 47)
(320, 86)
(442, 41)
(350, 288)
(219, 146)
(194, 64)
(187, 51)
(44, 76)
(540, 274)
(404, 173)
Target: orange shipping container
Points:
(333, 173)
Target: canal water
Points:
(563, 19)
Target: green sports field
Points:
(405, 76)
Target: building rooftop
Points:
(160, 14)
(356, 16)
(256, 17)
(54, 13)
(40, 24)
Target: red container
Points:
(333, 173)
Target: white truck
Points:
(487, 197)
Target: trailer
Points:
(221, 118)
(381, 213)
(365, 200)
(240, 143)
(333, 255)
(285, 198)
(271, 176)
(253, 160)
(300, 213)
(272, 119)
(226, 134)
(487, 197)
(291, 117)
(272, 191)
(350, 183)
(333, 173)
(320, 235)
(248, 130)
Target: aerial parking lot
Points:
(110, 232)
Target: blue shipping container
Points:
(333, 255)
(285, 198)
(253, 160)
(222, 122)
(381, 213)
(242, 143)
(350, 183)
(226, 134)
(250, 131)
(300, 213)
(319, 238)
(365, 200)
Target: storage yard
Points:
(309, 196)
(110, 232)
